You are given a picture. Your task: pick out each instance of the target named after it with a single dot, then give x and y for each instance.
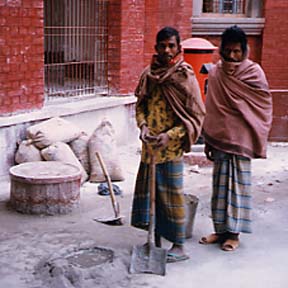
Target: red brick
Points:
(280, 103)
(4, 69)
(21, 52)
(279, 131)
(16, 100)
(14, 3)
(7, 101)
(23, 99)
(276, 27)
(39, 90)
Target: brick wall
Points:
(254, 42)
(275, 64)
(274, 58)
(114, 42)
(21, 55)
(160, 13)
(125, 44)
(132, 44)
(133, 25)
(279, 131)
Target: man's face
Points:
(232, 52)
(167, 49)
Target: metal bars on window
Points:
(224, 6)
(75, 48)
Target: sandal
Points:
(212, 239)
(230, 245)
(172, 257)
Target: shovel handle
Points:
(108, 179)
(152, 189)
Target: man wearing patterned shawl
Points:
(236, 127)
(170, 114)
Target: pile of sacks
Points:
(57, 139)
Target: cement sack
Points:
(80, 148)
(103, 141)
(53, 130)
(27, 152)
(60, 151)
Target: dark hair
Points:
(234, 34)
(166, 33)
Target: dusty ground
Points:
(34, 249)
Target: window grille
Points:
(224, 6)
(75, 48)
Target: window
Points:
(211, 17)
(75, 34)
(223, 6)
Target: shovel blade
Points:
(117, 221)
(148, 259)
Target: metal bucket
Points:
(191, 202)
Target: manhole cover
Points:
(86, 258)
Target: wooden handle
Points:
(108, 179)
(152, 189)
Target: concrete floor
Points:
(29, 244)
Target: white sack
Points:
(80, 148)
(53, 130)
(27, 152)
(103, 141)
(60, 151)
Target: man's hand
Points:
(208, 152)
(162, 140)
(144, 134)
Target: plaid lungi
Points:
(169, 200)
(231, 198)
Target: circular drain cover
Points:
(86, 258)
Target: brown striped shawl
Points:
(239, 109)
(178, 84)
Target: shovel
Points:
(148, 258)
(117, 220)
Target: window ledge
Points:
(66, 109)
(216, 25)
